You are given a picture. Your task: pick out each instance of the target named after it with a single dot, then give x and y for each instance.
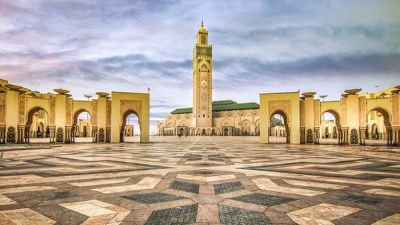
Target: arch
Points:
(226, 122)
(257, 127)
(386, 115)
(124, 119)
(226, 132)
(285, 122)
(382, 133)
(82, 131)
(29, 120)
(31, 112)
(76, 114)
(246, 127)
(335, 114)
(327, 132)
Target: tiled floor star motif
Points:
(201, 181)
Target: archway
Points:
(329, 128)
(279, 128)
(257, 129)
(37, 126)
(130, 121)
(203, 132)
(226, 132)
(82, 131)
(246, 128)
(379, 129)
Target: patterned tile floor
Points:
(200, 180)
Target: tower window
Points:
(204, 115)
(203, 40)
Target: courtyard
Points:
(199, 180)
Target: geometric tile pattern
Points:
(98, 212)
(227, 187)
(23, 216)
(263, 199)
(180, 215)
(321, 214)
(202, 180)
(360, 199)
(237, 216)
(183, 186)
(153, 197)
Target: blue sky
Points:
(258, 46)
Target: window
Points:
(204, 115)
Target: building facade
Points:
(26, 114)
(208, 117)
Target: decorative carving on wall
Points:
(395, 109)
(282, 105)
(101, 135)
(60, 135)
(344, 112)
(108, 112)
(317, 113)
(94, 113)
(362, 111)
(21, 109)
(11, 135)
(309, 137)
(2, 108)
(52, 109)
(69, 111)
(354, 136)
(130, 104)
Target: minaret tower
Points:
(202, 80)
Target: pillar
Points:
(21, 134)
(3, 134)
(52, 130)
(94, 134)
(362, 135)
(68, 134)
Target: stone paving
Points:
(200, 180)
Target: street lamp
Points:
(323, 97)
(88, 97)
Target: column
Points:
(94, 134)
(362, 135)
(27, 133)
(21, 134)
(68, 134)
(52, 130)
(108, 134)
(2, 134)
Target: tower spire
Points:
(202, 23)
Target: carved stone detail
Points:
(2, 108)
(21, 109)
(94, 112)
(69, 111)
(52, 110)
(108, 113)
(282, 105)
(130, 104)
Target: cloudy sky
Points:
(258, 46)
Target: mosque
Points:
(208, 117)
(286, 117)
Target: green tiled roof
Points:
(223, 105)
(182, 110)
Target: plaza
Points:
(199, 180)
